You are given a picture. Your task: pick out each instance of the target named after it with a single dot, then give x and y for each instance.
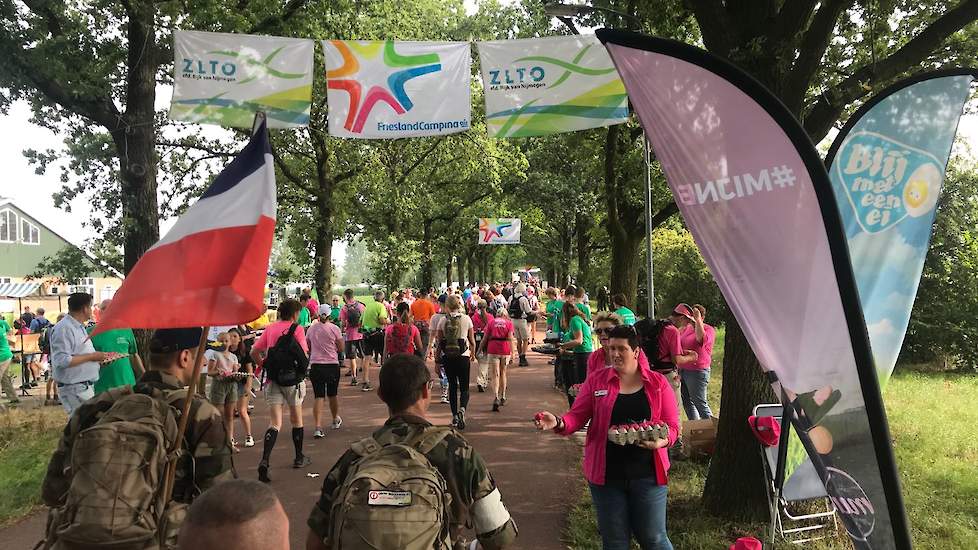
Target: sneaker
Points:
(263, 472)
(318, 434)
(495, 405)
(249, 441)
(523, 361)
(353, 381)
(302, 462)
(251, 407)
(481, 388)
(461, 419)
(444, 399)
(366, 387)
(502, 400)
(234, 441)
(454, 420)
(337, 422)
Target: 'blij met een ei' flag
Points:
(887, 166)
(210, 268)
(757, 199)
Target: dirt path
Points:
(538, 475)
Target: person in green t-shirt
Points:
(554, 303)
(373, 320)
(620, 303)
(576, 347)
(304, 319)
(119, 372)
(335, 308)
(5, 356)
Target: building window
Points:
(54, 291)
(29, 233)
(86, 285)
(8, 226)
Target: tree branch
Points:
(417, 162)
(811, 50)
(196, 147)
(714, 25)
(664, 214)
(827, 108)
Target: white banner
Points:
(393, 89)
(224, 79)
(499, 230)
(539, 86)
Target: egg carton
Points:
(627, 434)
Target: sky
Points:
(32, 192)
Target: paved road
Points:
(538, 475)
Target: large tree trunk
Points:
(461, 269)
(323, 263)
(624, 267)
(427, 259)
(448, 272)
(565, 254)
(582, 224)
(136, 143)
(471, 265)
(735, 483)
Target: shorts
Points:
(354, 346)
(285, 395)
(531, 317)
(373, 343)
(243, 389)
(521, 330)
(325, 379)
(223, 391)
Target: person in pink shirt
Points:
(499, 342)
(628, 483)
(351, 317)
(312, 304)
(481, 320)
(325, 351)
(275, 395)
(698, 337)
(402, 336)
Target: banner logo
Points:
(499, 230)
(886, 181)
(744, 185)
(850, 500)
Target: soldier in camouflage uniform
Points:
(206, 453)
(405, 385)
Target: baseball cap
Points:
(684, 310)
(166, 340)
(746, 543)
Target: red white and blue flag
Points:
(210, 268)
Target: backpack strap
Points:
(429, 439)
(366, 446)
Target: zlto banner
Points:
(765, 219)
(225, 79)
(539, 86)
(393, 89)
(499, 230)
(887, 167)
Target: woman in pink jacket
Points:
(627, 482)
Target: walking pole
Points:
(171, 470)
(650, 297)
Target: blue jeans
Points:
(635, 507)
(694, 393)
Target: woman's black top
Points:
(630, 461)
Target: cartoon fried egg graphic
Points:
(922, 189)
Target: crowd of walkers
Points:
(615, 370)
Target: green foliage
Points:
(681, 274)
(71, 263)
(944, 320)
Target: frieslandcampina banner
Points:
(763, 214)
(499, 230)
(224, 79)
(539, 86)
(394, 89)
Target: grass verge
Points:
(27, 439)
